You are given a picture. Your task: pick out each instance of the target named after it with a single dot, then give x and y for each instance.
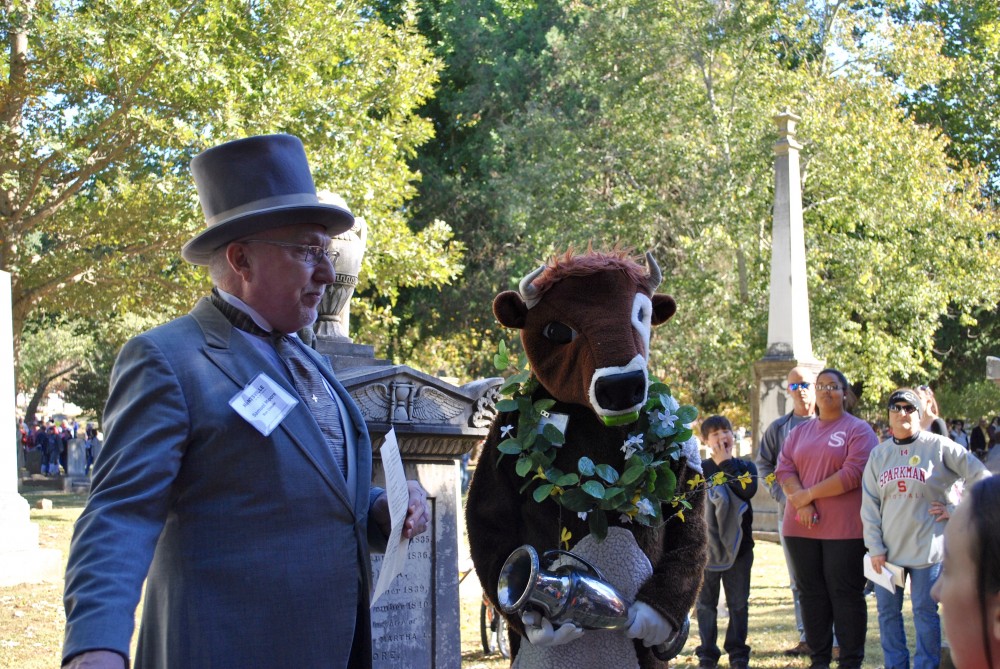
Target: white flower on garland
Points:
(505, 431)
(625, 518)
(582, 515)
(666, 419)
(632, 444)
(645, 507)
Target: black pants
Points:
(831, 584)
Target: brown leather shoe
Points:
(801, 649)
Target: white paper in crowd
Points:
(890, 577)
(399, 499)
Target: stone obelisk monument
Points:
(21, 560)
(789, 341)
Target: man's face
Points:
(903, 419)
(278, 281)
(802, 389)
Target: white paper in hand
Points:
(399, 499)
(890, 577)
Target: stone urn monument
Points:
(416, 622)
(333, 323)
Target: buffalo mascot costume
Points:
(590, 456)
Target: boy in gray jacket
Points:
(730, 547)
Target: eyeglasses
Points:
(795, 386)
(310, 254)
(827, 386)
(904, 409)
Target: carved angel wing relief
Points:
(433, 406)
(373, 401)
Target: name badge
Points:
(560, 420)
(263, 403)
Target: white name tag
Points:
(560, 420)
(263, 403)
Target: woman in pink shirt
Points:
(820, 470)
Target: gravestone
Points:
(21, 559)
(416, 623)
(33, 461)
(76, 466)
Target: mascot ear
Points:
(510, 309)
(663, 308)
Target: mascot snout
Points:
(618, 392)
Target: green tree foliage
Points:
(104, 102)
(50, 351)
(651, 125)
(965, 104)
(494, 55)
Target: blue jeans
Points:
(926, 622)
(736, 583)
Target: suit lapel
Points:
(241, 362)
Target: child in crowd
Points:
(730, 547)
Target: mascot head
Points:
(585, 322)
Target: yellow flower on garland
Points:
(680, 513)
(695, 482)
(770, 479)
(564, 539)
(745, 479)
(719, 477)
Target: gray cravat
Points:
(306, 378)
(308, 381)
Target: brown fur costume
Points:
(500, 518)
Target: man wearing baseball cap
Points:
(235, 474)
(904, 509)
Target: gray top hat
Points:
(255, 184)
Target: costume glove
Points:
(540, 632)
(647, 625)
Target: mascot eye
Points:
(558, 333)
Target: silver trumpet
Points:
(569, 594)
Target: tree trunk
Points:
(43, 384)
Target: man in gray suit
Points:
(217, 483)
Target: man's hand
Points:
(878, 561)
(417, 512)
(96, 659)
(540, 632)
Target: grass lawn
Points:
(32, 620)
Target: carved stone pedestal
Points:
(416, 623)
